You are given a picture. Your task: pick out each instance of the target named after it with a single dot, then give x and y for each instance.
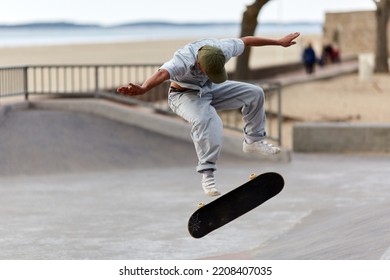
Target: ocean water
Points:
(34, 36)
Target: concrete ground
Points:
(75, 185)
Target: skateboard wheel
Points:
(200, 205)
(252, 176)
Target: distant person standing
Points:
(329, 55)
(309, 59)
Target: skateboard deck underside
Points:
(235, 204)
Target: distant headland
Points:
(71, 25)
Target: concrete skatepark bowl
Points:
(77, 185)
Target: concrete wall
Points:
(341, 137)
(351, 32)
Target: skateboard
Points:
(234, 204)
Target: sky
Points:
(111, 12)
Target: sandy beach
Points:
(341, 99)
(138, 52)
(345, 98)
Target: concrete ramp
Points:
(34, 142)
(76, 185)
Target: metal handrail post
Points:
(96, 81)
(25, 82)
(280, 118)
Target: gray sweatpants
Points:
(207, 129)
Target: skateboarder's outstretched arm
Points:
(286, 41)
(156, 79)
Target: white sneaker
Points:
(208, 184)
(260, 147)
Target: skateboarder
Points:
(200, 87)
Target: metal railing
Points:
(100, 81)
(13, 81)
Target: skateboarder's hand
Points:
(288, 40)
(131, 89)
